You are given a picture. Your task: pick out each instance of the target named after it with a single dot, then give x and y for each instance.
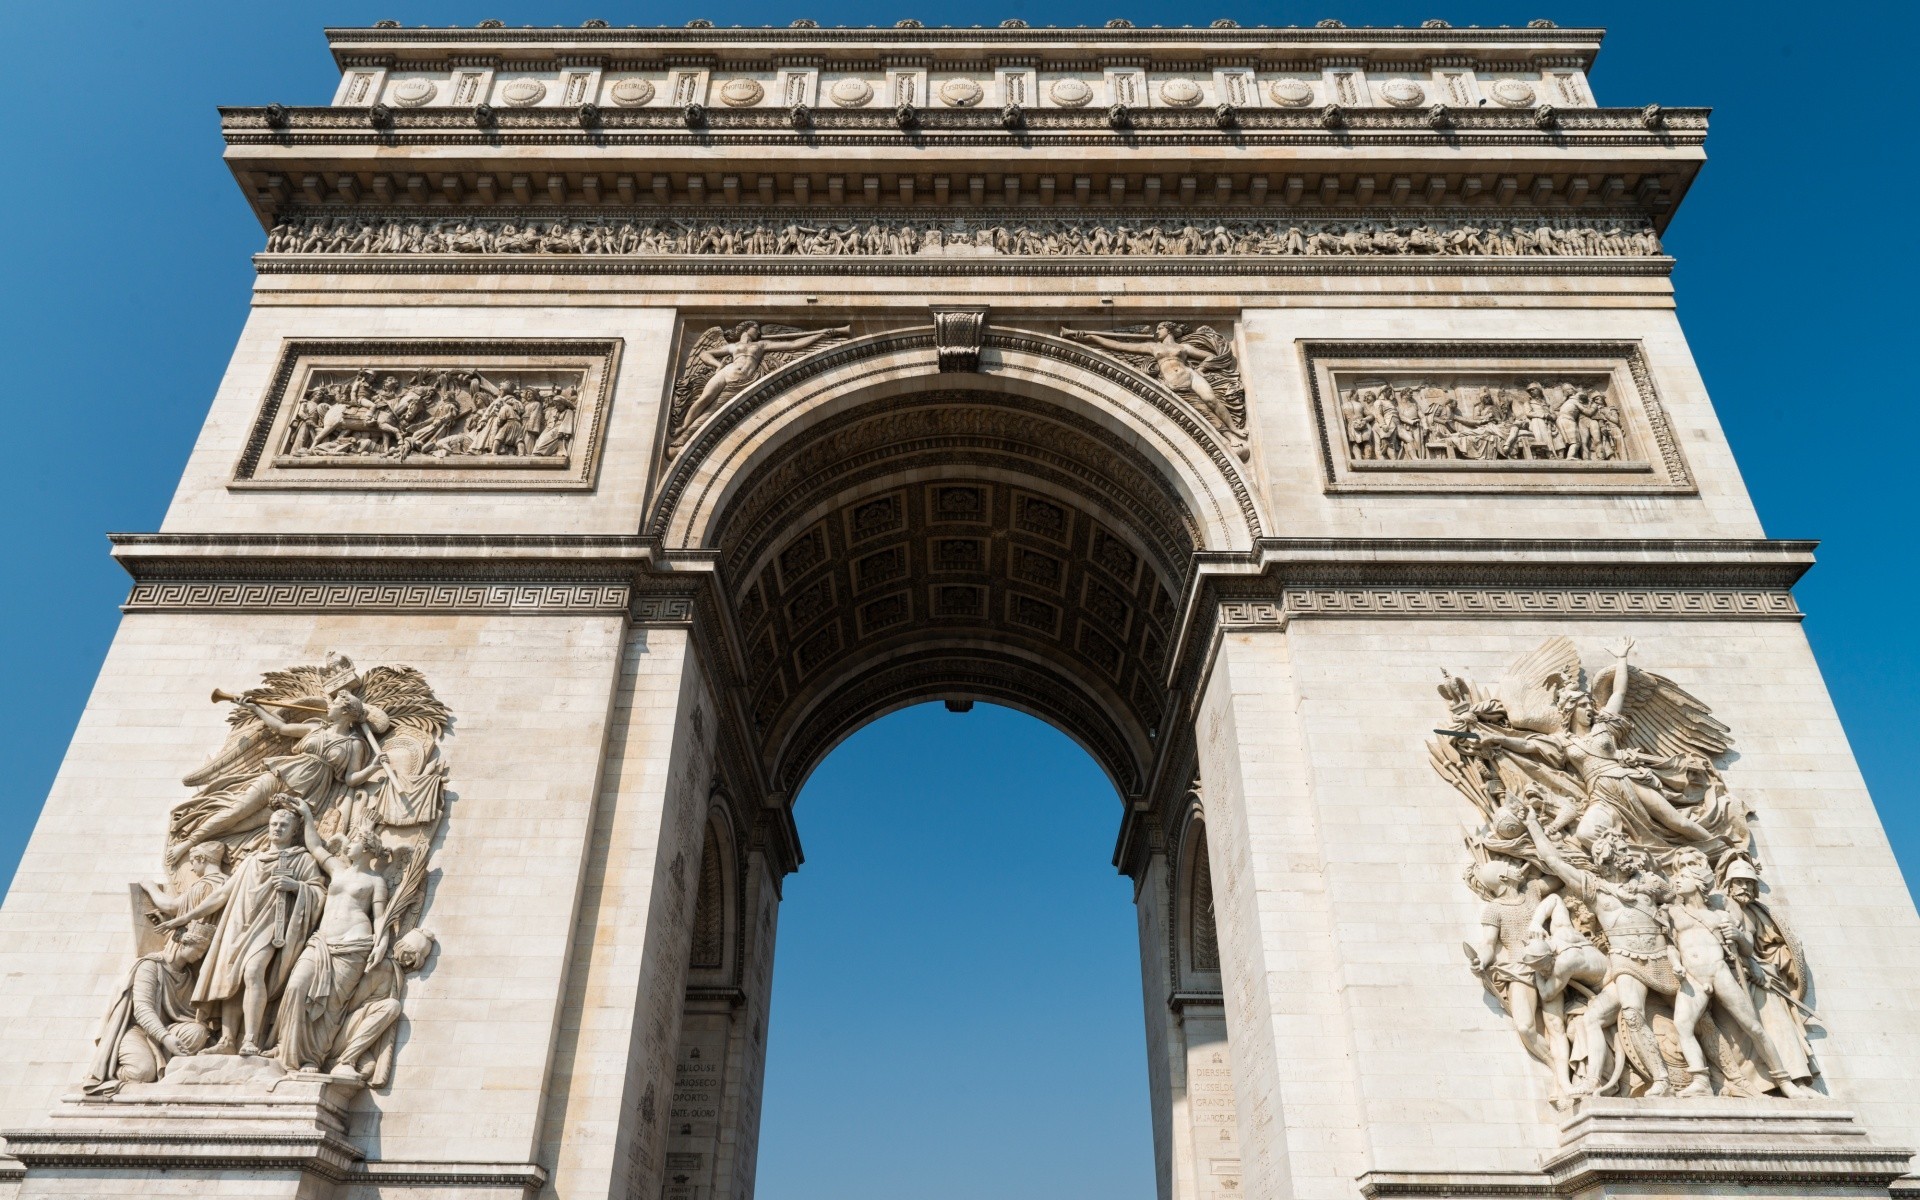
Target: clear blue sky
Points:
(966, 1021)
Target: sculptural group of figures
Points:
(895, 236)
(296, 876)
(1623, 926)
(440, 413)
(1414, 420)
(1196, 363)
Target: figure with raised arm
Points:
(1628, 906)
(266, 908)
(1174, 360)
(732, 360)
(350, 940)
(335, 749)
(1625, 789)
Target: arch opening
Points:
(886, 535)
(962, 544)
(933, 1004)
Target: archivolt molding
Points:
(721, 453)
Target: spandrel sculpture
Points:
(1622, 927)
(325, 799)
(722, 362)
(1196, 363)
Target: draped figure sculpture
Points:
(326, 799)
(1603, 821)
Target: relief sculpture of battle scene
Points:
(496, 413)
(280, 936)
(459, 416)
(1624, 926)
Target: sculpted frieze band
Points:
(1043, 237)
(1624, 926)
(279, 938)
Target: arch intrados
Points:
(928, 648)
(886, 708)
(710, 474)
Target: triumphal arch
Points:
(1298, 418)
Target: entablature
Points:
(1263, 160)
(910, 117)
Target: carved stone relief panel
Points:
(280, 937)
(720, 361)
(468, 415)
(1623, 925)
(1477, 417)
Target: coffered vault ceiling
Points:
(959, 544)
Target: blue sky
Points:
(966, 1020)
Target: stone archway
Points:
(886, 533)
(881, 533)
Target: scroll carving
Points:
(724, 361)
(1093, 236)
(1622, 928)
(1196, 363)
(957, 334)
(280, 939)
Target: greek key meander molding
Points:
(1651, 459)
(1334, 601)
(555, 599)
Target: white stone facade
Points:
(1055, 338)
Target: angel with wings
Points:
(1608, 784)
(379, 730)
(723, 361)
(1198, 362)
(1633, 747)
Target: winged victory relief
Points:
(281, 935)
(1623, 928)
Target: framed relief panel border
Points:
(1491, 417)
(432, 414)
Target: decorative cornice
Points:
(558, 128)
(1077, 267)
(1284, 579)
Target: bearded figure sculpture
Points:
(1623, 930)
(325, 799)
